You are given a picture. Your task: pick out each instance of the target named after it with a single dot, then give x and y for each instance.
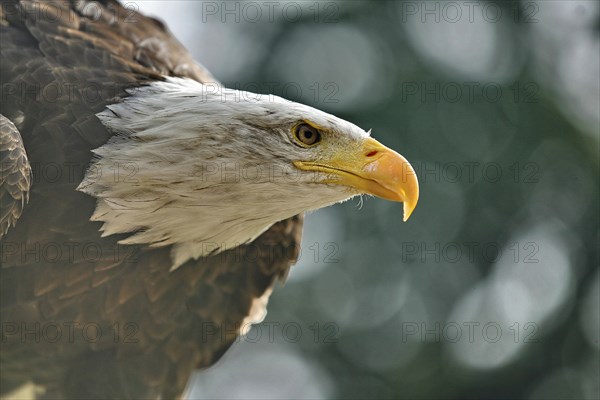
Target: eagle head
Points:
(205, 168)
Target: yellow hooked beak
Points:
(374, 169)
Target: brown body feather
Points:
(81, 315)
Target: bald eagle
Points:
(147, 211)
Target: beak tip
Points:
(408, 209)
(411, 192)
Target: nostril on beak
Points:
(372, 153)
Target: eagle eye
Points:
(307, 135)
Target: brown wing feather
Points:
(15, 175)
(81, 315)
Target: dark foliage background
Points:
(491, 290)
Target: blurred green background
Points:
(491, 289)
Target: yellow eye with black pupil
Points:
(307, 135)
